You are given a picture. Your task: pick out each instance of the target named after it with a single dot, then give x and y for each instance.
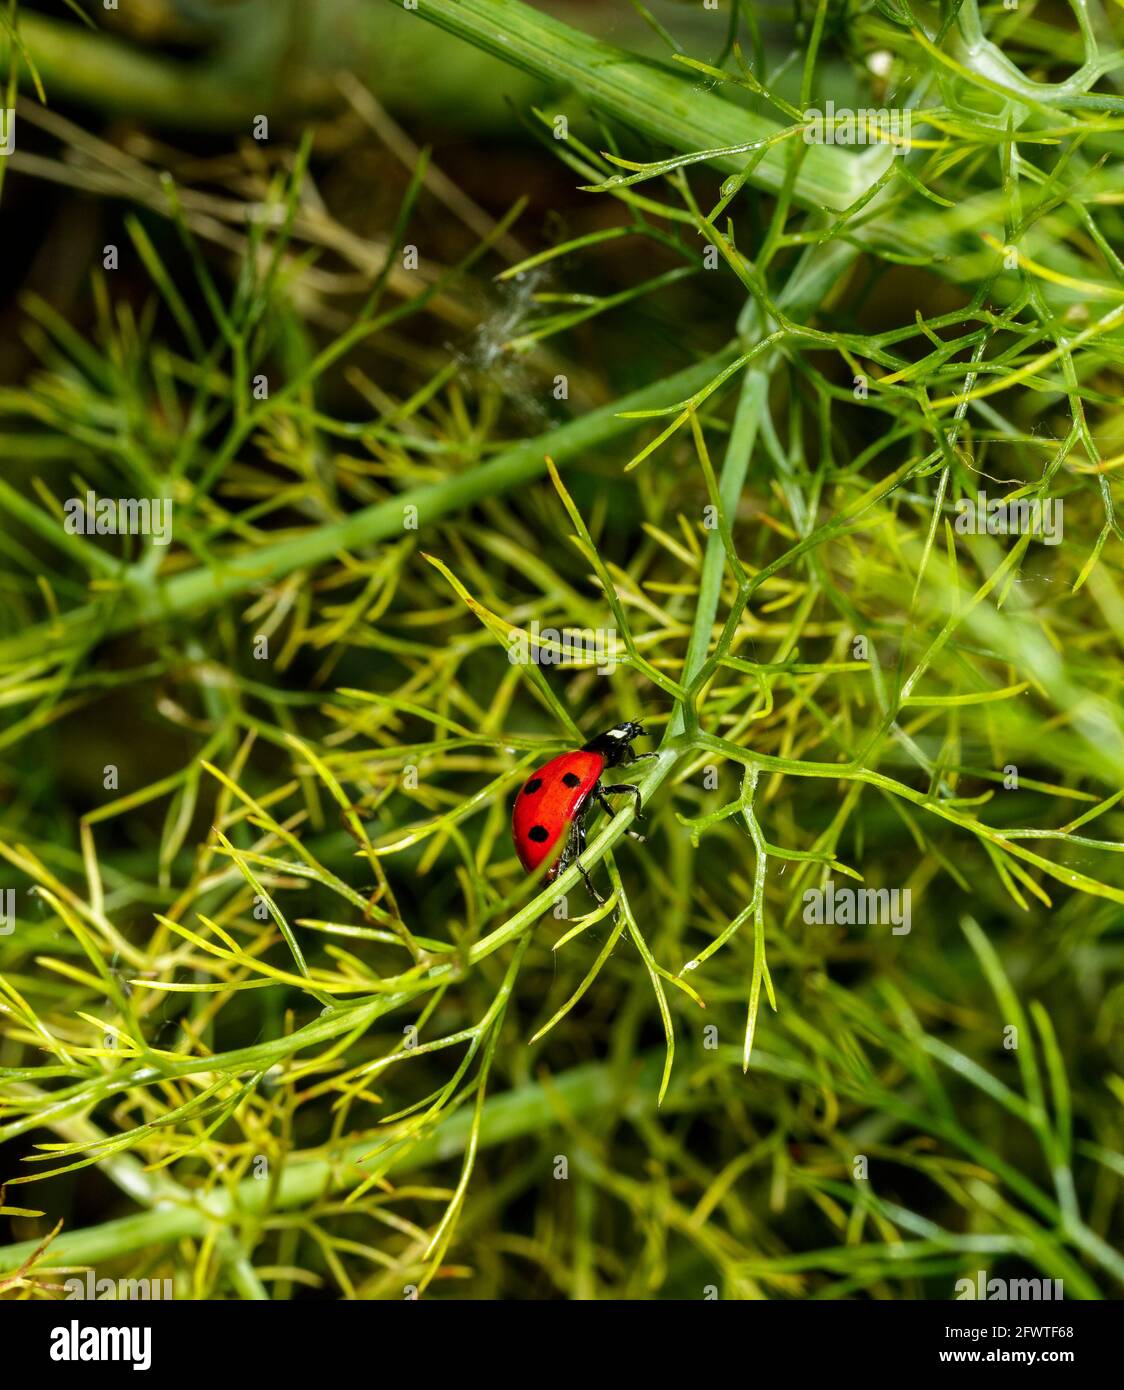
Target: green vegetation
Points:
(280, 1014)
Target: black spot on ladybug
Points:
(538, 833)
(572, 779)
(532, 786)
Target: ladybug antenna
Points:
(640, 723)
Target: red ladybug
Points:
(551, 807)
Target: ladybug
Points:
(550, 809)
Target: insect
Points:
(552, 804)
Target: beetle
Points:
(551, 806)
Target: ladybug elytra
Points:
(551, 806)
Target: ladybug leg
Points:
(589, 883)
(572, 854)
(611, 811)
(566, 858)
(619, 789)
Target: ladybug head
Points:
(615, 744)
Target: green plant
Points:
(289, 994)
